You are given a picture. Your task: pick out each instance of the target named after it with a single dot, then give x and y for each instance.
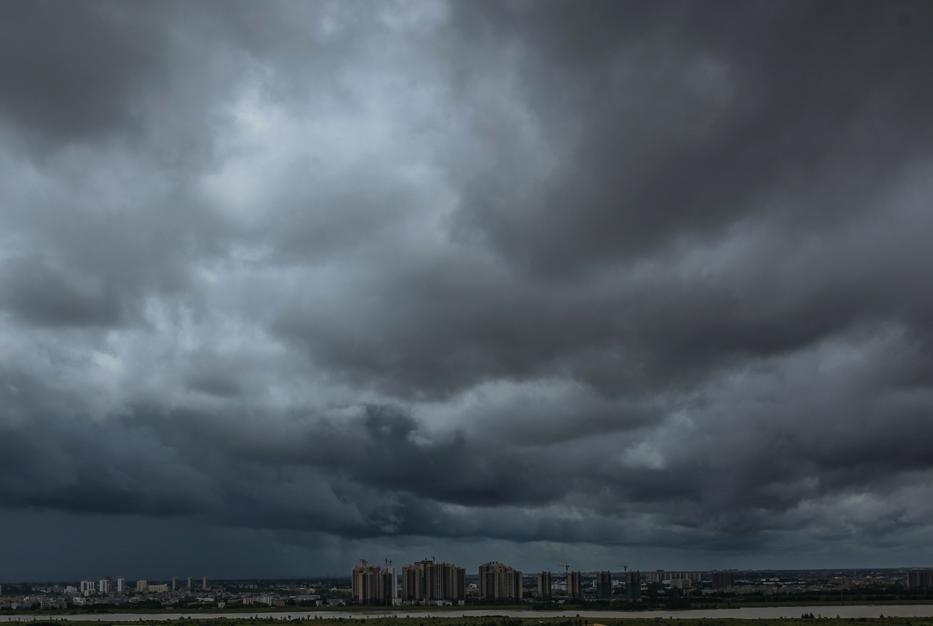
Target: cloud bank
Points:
(620, 279)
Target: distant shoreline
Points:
(459, 609)
(863, 611)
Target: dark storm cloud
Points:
(71, 71)
(677, 119)
(38, 293)
(637, 276)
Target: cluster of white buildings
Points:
(118, 586)
(103, 587)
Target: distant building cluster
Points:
(433, 582)
(148, 594)
(423, 582)
(94, 592)
(118, 586)
(430, 582)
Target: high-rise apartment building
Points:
(204, 583)
(723, 580)
(574, 586)
(88, 587)
(142, 586)
(174, 584)
(429, 581)
(388, 581)
(633, 584)
(544, 585)
(103, 586)
(121, 585)
(920, 580)
(364, 583)
(677, 580)
(498, 582)
(682, 580)
(604, 585)
(374, 585)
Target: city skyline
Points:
(288, 283)
(431, 583)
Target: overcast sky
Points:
(288, 284)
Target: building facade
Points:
(723, 580)
(574, 585)
(429, 581)
(920, 580)
(545, 585)
(604, 585)
(499, 582)
(372, 584)
(633, 584)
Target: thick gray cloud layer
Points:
(614, 281)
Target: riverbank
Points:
(739, 613)
(460, 610)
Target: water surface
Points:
(749, 612)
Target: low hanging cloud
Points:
(603, 278)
